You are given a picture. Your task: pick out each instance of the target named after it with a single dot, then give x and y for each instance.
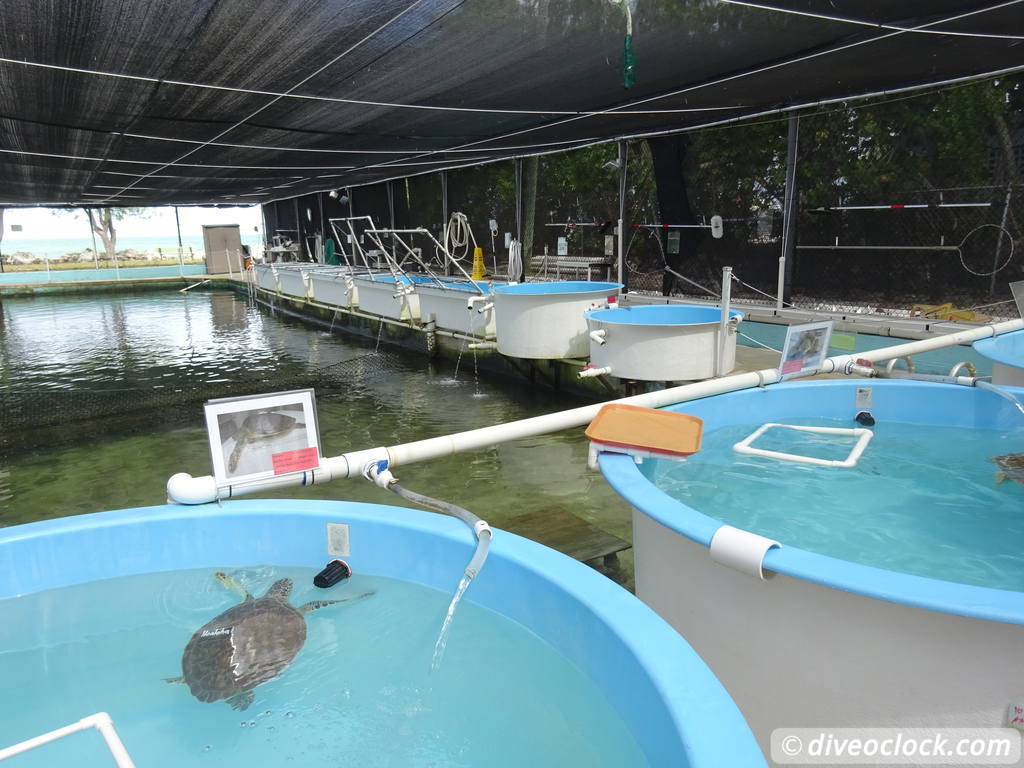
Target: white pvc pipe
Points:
(100, 721)
(184, 489)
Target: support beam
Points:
(789, 209)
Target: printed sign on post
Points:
(806, 347)
(253, 438)
(563, 246)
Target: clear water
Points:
(360, 693)
(922, 499)
(115, 346)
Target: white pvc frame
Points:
(216, 408)
(863, 438)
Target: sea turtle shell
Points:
(1011, 466)
(243, 647)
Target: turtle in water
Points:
(259, 426)
(247, 644)
(1011, 465)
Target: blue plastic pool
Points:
(895, 595)
(96, 610)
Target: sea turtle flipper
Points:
(314, 604)
(175, 680)
(242, 700)
(1000, 477)
(230, 583)
(240, 441)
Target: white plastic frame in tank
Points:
(255, 438)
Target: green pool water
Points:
(109, 352)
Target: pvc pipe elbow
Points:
(182, 488)
(598, 336)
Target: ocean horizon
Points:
(57, 247)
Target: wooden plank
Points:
(560, 529)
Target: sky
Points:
(45, 223)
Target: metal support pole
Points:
(723, 325)
(781, 287)
(999, 242)
(444, 217)
(789, 229)
(621, 231)
(177, 224)
(95, 253)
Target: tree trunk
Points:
(103, 225)
(667, 155)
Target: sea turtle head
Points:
(280, 590)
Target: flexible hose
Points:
(515, 260)
(480, 528)
(457, 236)
(1001, 392)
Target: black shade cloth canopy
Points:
(106, 102)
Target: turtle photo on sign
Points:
(251, 438)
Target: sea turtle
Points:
(259, 426)
(1011, 465)
(247, 644)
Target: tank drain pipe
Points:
(592, 371)
(380, 475)
(487, 345)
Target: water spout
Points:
(1001, 392)
(379, 473)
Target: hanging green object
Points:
(330, 256)
(628, 61)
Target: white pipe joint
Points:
(474, 299)
(378, 472)
(481, 527)
(591, 371)
(182, 488)
(598, 336)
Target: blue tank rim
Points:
(970, 601)
(635, 315)
(1006, 349)
(709, 729)
(557, 287)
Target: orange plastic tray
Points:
(646, 429)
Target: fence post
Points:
(789, 229)
(723, 325)
(781, 287)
